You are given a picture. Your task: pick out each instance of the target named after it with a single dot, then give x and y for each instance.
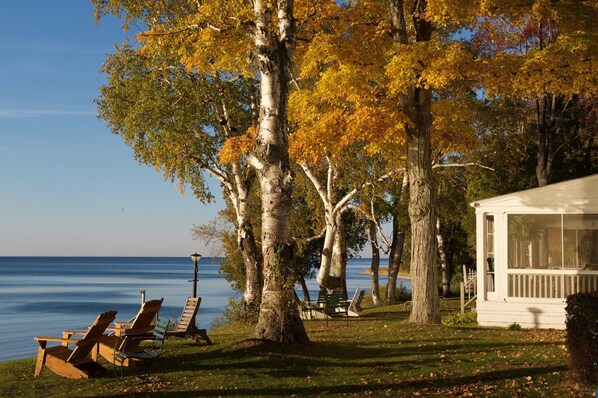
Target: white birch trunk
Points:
(279, 319)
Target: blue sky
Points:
(68, 186)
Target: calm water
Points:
(41, 296)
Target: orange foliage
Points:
(234, 148)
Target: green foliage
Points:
(237, 311)
(582, 336)
(514, 326)
(401, 294)
(172, 117)
(469, 318)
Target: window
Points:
(489, 236)
(580, 241)
(490, 253)
(553, 241)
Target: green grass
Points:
(378, 354)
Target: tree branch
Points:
(447, 165)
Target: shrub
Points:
(582, 336)
(469, 318)
(402, 294)
(514, 326)
(236, 311)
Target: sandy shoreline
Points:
(384, 271)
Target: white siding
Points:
(527, 314)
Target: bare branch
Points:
(471, 164)
(318, 236)
(317, 184)
(345, 200)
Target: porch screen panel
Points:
(580, 241)
(535, 241)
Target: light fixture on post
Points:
(195, 257)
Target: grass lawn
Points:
(378, 354)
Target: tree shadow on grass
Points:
(396, 388)
(282, 361)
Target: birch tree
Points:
(176, 121)
(237, 38)
(339, 106)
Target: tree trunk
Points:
(548, 110)
(398, 241)
(279, 318)
(330, 272)
(304, 289)
(325, 278)
(543, 142)
(444, 264)
(394, 260)
(425, 302)
(417, 103)
(338, 268)
(375, 266)
(253, 264)
(238, 189)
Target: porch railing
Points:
(550, 285)
(468, 288)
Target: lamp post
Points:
(195, 257)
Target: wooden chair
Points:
(186, 324)
(355, 302)
(73, 363)
(129, 346)
(143, 324)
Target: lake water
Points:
(41, 296)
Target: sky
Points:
(68, 185)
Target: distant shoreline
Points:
(384, 271)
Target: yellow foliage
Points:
(555, 44)
(564, 68)
(215, 37)
(234, 148)
(429, 65)
(452, 128)
(450, 12)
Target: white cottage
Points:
(534, 248)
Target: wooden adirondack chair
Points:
(73, 363)
(186, 325)
(143, 324)
(355, 303)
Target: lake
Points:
(41, 296)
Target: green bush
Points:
(469, 318)
(582, 336)
(514, 326)
(402, 294)
(237, 311)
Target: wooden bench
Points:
(328, 305)
(336, 305)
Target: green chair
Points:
(127, 346)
